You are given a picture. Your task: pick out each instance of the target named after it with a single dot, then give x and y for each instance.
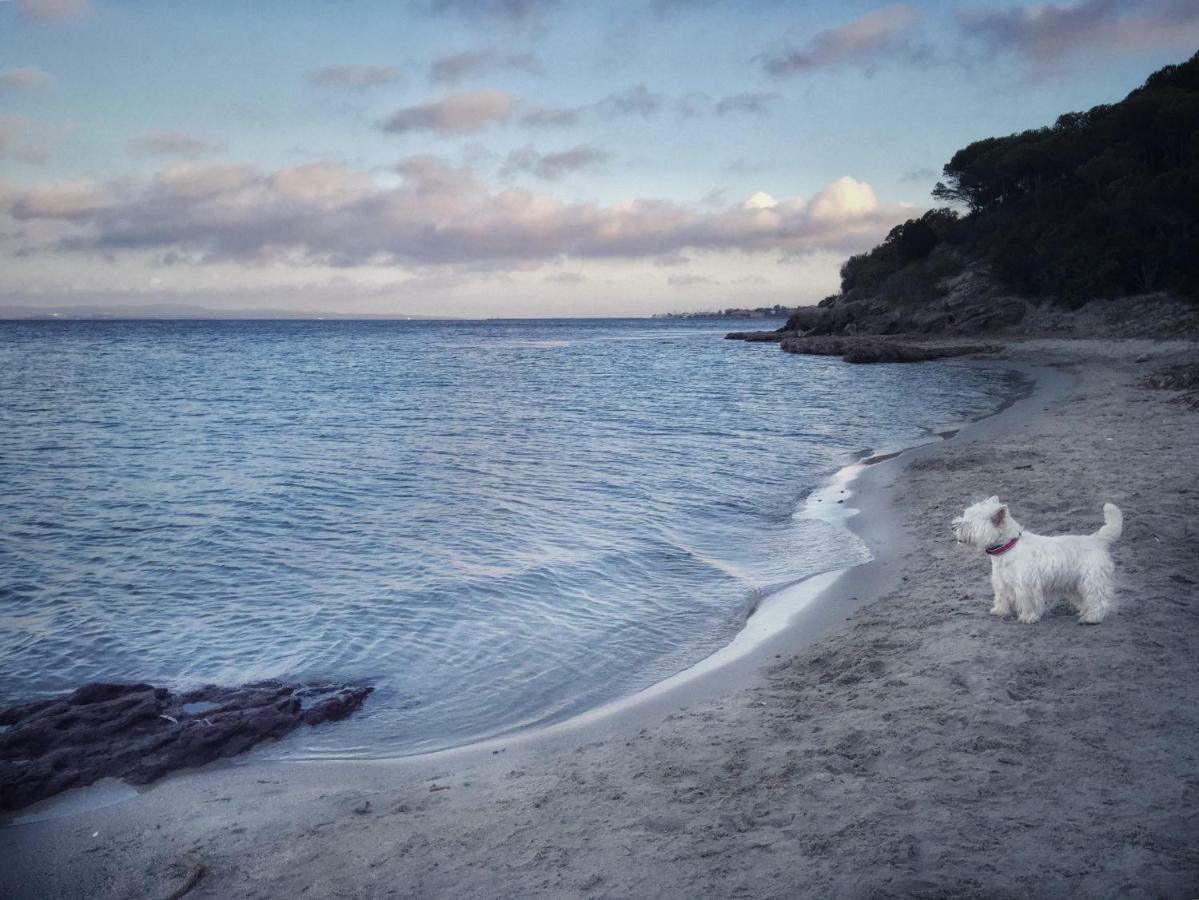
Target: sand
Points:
(895, 741)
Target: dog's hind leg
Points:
(1098, 595)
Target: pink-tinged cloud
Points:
(355, 78)
(68, 200)
(1046, 33)
(864, 42)
(329, 214)
(53, 10)
(17, 78)
(169, 143)
(453, 114)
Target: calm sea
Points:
(497, 524)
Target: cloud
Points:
(23, 78)
(845, 198)
(920, 173)
(551, 117)
(669, 7)
(15, 142)
(565, 278)
(452, 114)
(743, 166)
(436, 215)
(636, 101)
(748, 104)
(640, 101)
(698, 103)
(690, 280)
(456, 67)
(670, 260)
(864, 41)
(66, 200)
(552, 166)
(355, 78)
(515, 12)
(1046, 33)
(53, 10)
(168, 143)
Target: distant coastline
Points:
(758, 312)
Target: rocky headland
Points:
(1084, 229)
(949, 319)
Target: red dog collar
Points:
(1003, 548)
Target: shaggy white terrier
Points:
(1027, 568)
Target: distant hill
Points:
(1103, 204)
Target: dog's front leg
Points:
(1030, 603)
(1003, 597)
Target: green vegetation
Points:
(1104, 203)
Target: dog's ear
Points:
(998, 516)
(994, 498)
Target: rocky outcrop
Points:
(967, 303)
(760, 337)
(873, 349)
(1183, 379)
(973, 303)
(140, 733)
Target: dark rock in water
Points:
(758, 336)
(871, 349)
(139, 732)
(801, 321)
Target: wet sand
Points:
(895, 740)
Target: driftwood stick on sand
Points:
(196, 871)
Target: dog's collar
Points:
(1002, 548)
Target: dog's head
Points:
(985, 524)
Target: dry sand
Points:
(919, 748)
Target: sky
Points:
(478, 158)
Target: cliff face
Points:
(973, 302)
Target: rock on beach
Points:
(139, 732)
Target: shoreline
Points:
(623, 775)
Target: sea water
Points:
(497, 524)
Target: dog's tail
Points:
(1113, 524)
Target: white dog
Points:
(1027, 568)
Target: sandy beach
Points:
(896, 740)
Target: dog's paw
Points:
(1090, 619)
(998, 610)
(1026, 619)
